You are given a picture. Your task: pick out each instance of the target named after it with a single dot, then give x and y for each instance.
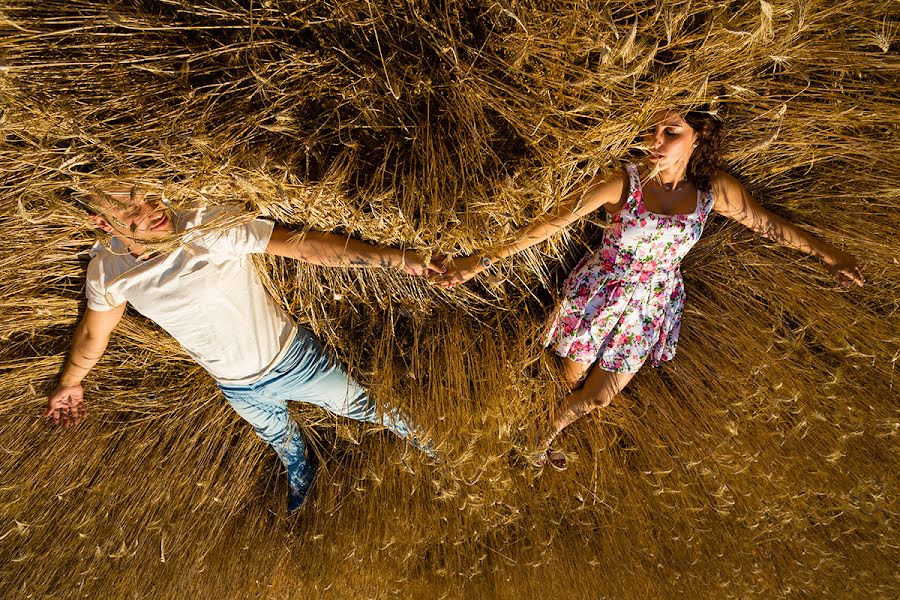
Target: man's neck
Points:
(133, 247)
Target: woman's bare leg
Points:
(573, 373)
(598, 391)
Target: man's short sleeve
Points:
(251, 237)
(99, 298)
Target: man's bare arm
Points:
(66, 402)
(331, 250)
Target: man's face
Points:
(132, 213)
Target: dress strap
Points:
(706, 202)
(634, 185)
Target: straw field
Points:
(761, 463)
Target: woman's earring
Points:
(695, 145)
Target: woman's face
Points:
(670, 141)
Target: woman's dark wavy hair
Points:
(705, 158)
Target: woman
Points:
(622, 303)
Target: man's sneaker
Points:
(297, 495)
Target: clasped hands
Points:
(458, 270)
(443, 270)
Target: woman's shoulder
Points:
(621, 175)
(611, 187)
(724, 184)
(722, 178)
(628, 168)
(728, 192)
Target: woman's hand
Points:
(459, 270)
(843, 267)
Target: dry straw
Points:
(760, 463)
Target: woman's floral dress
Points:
(623, 302)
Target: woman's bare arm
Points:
(735, 202)
(573, 207)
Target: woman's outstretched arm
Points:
(573, 207)
(735, 202)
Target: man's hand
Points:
(415, 264)
(88, 344)
(66, 404)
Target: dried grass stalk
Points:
(761, 463)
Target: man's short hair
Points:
(83, 200)
(92, 199)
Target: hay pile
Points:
(760, 463)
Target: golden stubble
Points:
(759, 463)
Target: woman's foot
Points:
(543, 453)
(536, 444)
(557, 459)
(538, 459)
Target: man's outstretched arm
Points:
(89, 342)
(331, 250)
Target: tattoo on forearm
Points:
(361, 261)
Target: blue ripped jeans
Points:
(308, 374)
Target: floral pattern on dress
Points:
(623, 301)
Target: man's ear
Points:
(101, 223)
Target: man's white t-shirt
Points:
(206, 294)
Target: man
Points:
(201, 287)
